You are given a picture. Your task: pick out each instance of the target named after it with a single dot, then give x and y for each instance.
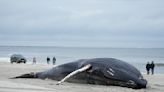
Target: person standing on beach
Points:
(48, 60)
(34, 60)
(54, 60)
(148, 68)
(152, 65)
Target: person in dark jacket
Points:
(48, 60)
(152, 65)
(148, 68)
(54, 60)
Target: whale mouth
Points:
(142, 83)
(28, 75)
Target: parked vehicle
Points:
(17, 58)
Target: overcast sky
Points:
(89, 23)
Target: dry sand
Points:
(7, 70)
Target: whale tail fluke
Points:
(28, 75)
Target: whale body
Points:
(101, 71)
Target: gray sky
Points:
(89, 23)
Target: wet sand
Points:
(7, 71)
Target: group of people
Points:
(48, 60)
(53, 60)
(150, 67)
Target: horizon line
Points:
(81, 47)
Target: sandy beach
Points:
(7, 70)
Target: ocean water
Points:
(135, 56)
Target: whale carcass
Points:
(101, 71)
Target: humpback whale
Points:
(100, 71)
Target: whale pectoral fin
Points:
(86, 67)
